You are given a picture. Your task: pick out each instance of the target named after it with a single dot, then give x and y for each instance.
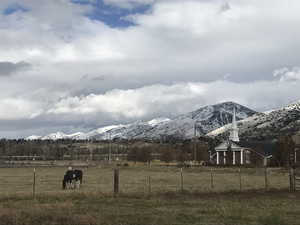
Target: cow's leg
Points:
(69, 184)
(77, 184)
(64, 184)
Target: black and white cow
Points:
(72, 179)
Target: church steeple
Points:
(234, 131)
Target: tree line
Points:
(282, 150)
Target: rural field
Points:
(232, 208)
(142, 179)
(162, 202)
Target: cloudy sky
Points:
(74, 65)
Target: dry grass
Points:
(248, 208)
(134, 179)
(94, 204)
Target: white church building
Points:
(229, 152)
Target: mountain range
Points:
(185, 126)
(266, 126)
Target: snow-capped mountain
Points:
(54, 136)
(134, 130)
(206, 119)
(33, 137)
(127, 131)
(268, 125)
(104, 132)
(76, 136)
(59, 135)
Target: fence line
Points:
(211, 179)
(116, 182)
(266, 179)
(181, 179)
(149, 185)
(150, 180)
(240, 178)
(34, 182)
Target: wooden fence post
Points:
(149, 185)
(116, 181)
(292, 179)
(211, 179)
(33, 185)
(295, 180)
(181, 179)
(266, 178)
(240, 178)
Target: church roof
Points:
(225, 144)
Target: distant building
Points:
(229, 152)
(234, 131)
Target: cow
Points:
(72, 179)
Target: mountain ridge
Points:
(266, 126)
(206, 118)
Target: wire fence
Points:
(146, 180)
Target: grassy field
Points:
(94, 203)
(134, 179)
(233, 208)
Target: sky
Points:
(76, 65)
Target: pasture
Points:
(141, 179)
(247, 208)
(163, 204)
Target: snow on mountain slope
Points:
(76, 136)
(249, 120)
(33, 137)
(206, 119)
(128, 131)
(157, 121)
(104, 131)
(54, 136)
(270, 125)
(131, 131)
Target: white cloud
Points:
(18, 108)
(168, 100)
(286, 74)
(173, 60)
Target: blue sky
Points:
(112, 15)
(14, 8)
